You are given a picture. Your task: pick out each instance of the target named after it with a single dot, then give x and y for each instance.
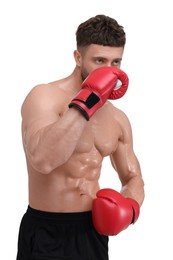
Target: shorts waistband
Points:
(58, 216)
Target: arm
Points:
(113, 212)
(127, 165)
(49, 138)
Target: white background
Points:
(37, 39)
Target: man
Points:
(68, 127)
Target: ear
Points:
(77, 57)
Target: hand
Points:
(97, 88)
(112, 212)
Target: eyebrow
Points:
(103, 58)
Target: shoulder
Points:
(117, 114)
(44, 95)
(122, 120)
(43, 90)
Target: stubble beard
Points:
(84, 74)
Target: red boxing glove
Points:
(97, 88)
(112, 213)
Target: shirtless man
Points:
(65, 143)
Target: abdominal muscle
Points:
(69, 188)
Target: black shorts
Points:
(48, 236)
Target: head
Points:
(100, 42)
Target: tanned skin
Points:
(64, 151)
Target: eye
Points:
(116, 63)
(99, 61)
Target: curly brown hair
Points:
(101, 30)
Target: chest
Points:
(103, 133)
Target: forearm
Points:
(128, 168)
(53, 145)
(134, 189)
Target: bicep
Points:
(123, 158)
(125, 162)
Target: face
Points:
(95, 56)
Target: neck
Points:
(76, 76)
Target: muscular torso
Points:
(72, 186)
